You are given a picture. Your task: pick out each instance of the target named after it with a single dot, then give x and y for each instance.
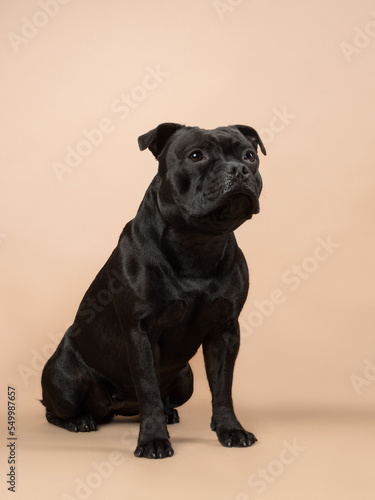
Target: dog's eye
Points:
(196, 156)
(249, 156)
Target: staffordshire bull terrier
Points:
(176, 280)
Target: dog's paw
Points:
(155, 448)
(236, 437)
(83, 423)
(172, 416)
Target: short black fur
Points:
(176, 280)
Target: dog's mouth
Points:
(239, 203)
(236, 204)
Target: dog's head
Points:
(208, 179)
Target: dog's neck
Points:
(191, 253)
(196, 254)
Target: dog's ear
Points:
(252, 136)
(156, 139)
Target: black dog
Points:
(177, 280)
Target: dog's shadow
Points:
(103, 440)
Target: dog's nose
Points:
(238, 170)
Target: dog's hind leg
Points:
(73, 398)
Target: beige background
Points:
(306, 370)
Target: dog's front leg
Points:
(153, 437)
(220, 351)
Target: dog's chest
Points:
(181, 326)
